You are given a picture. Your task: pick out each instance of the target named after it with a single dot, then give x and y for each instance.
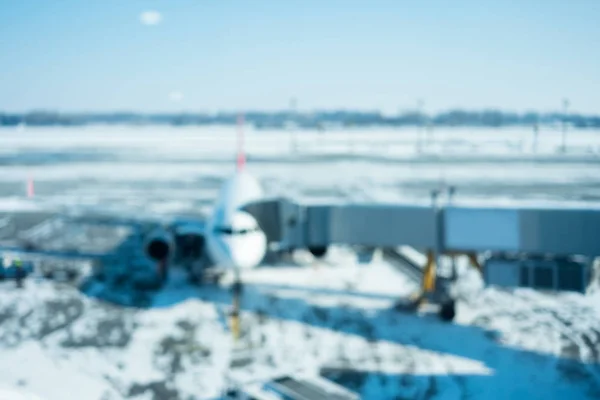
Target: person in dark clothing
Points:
(19, 273)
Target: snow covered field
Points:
(170, 168)
(57, 343)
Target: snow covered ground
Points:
(57, 343)
(171, 168)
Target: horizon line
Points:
(298, 112)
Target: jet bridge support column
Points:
(428, 284)
(433, 255)
(432, 289)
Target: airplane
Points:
(230, 238)
(233, 237)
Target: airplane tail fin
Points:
(241, 157)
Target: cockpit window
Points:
(224, 230)
(227, 230)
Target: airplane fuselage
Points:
(233, 236)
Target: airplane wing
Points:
(87, 234)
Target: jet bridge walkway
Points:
(540, 247)
(445, 228)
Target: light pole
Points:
(536, 132)
(564, 125)
(451, 190)
(293, 113)
(419, 125)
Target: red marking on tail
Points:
(30, 188)
(241, 157)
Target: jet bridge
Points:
(563, 237)
(544, 230)
(379, 225)
(543, 248)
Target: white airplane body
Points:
(232, 237)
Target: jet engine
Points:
(318, 251)
(159, 245)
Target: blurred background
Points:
(497, 99)
(132, 106)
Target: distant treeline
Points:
(312, 120)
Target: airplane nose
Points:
(239, 256)
(241, 249)
(247, 251)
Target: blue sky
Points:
(76, 55)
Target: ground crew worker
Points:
(19, 273)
